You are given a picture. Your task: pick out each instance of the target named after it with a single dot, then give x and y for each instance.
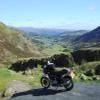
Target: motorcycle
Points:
(52, 77)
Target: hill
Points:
(92, 36)
(14, 45)
(88, 40)
(71, 35)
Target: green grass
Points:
(7, 76)
(88, 65)
(79, 72)
(33, 76)
(55, 49)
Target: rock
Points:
(16, 87)
(89, 78)
(94, 78)
(89, 72)
(98, 78)
(83, 77)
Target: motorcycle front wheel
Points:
(45, 82)
(69, 83)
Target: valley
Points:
(23, 51)
(53, 41)
(49, 49)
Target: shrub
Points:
(97, 70)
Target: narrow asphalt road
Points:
(81, 91)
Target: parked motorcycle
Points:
(52, 77)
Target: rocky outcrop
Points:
(86, 55)
(16, 87)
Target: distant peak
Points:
(98, 27)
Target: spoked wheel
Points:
(45, 82)
(68, 83)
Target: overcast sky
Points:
(81, 14)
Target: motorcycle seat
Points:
(60, 73)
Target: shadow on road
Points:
(38, 92)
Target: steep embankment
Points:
(13, 45)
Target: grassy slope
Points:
(14, 45)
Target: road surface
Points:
(81, 91)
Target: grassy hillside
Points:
(92, 36)
(69, 36)
(14, 45)
(88, 40)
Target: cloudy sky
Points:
(81, 14)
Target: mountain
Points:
(58, 34)
(74, 32)
(71, 35)
(89, 40)
(41, 31)
(14, 45)
(92, 36)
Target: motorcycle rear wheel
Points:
(69, 84)
(45, 82)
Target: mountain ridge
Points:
(92, 36)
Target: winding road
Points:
(81, 91)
